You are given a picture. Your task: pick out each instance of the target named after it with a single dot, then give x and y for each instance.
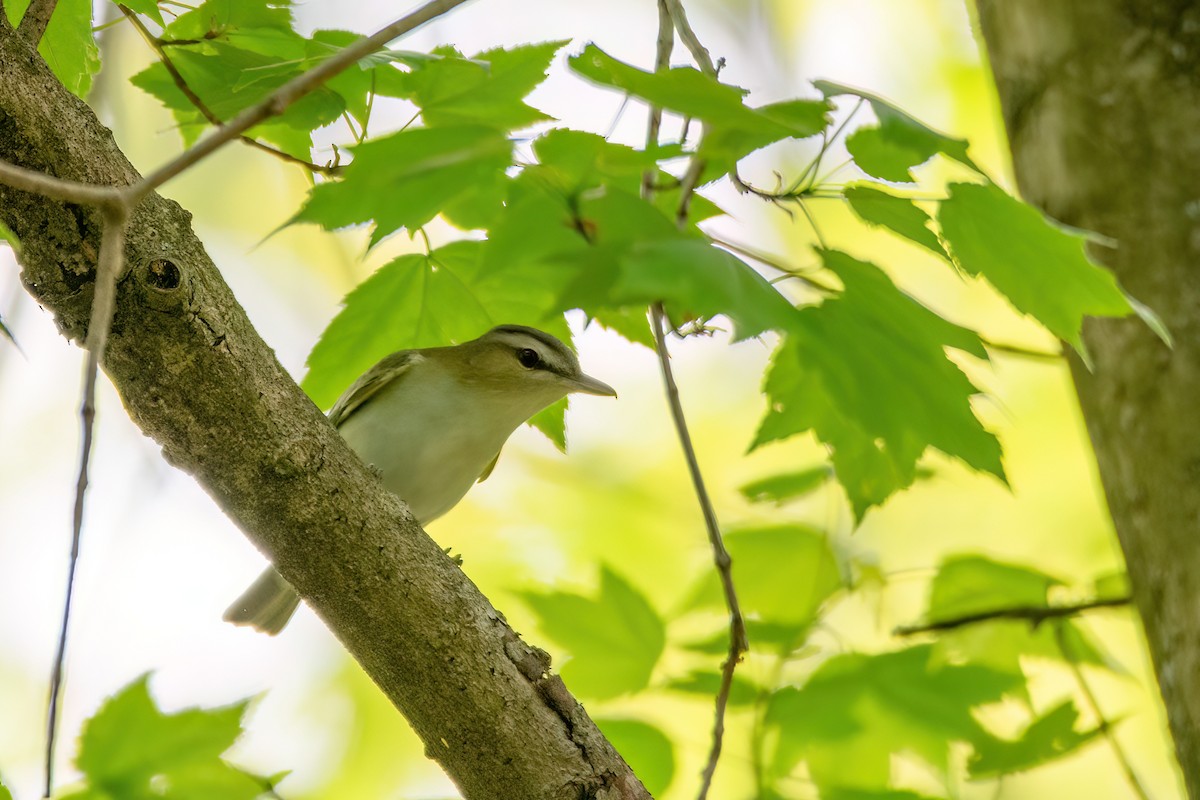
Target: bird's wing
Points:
(370, 382)
(483, 476)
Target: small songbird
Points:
(432, 423)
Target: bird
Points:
(431, 422)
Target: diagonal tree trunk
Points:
(195, 376)
(1101, 99)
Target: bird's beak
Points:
(589, 385)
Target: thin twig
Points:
(37, 17)
(1106, 727)
(182, 85)
(671, 15)
(690, 40)
(1034, 615)
(29, 180)
(112, 259)
(738, 643)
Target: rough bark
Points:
(1101, 99)
(195, 376)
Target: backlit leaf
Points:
(898, 214)
(614, 639)
(867, 371)
(899, 143)
(404, 179)
(68, 44)
(866, 708)
(1040, 267)
(1048, 737)
(487, 89)
(646, 748)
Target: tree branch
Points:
(194, 375)
(37, 17)
(1034, 615)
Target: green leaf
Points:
(572, 161)
(1112, 584)
(68, 44)
(487, 89)
(899, 142)
(129, 742)
(783, 574)
(742, 692)
(222, 17)
(871, 342)
(862, 709)
(647, 750)
(614, 639)
(631, 323)
(724, 145)
(219, 78)
(782, 488)
(1040, 267)
(552, 421)
(10, 238)
(735, 129)
(418, 301)
(148, 8)
(842, 793)
(1047, 738)
(681, 89)
(967, 585)
(899, 214)
(970, 584)
(403, 180)
(5, 794)
(699, 280)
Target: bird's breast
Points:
(429, 441)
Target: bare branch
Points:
(112, 259)
(1034, 615)
(68, 191)
(37, 17)
(671, 17)
(690, 40)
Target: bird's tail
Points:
(267, 605)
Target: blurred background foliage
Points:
(600, 555)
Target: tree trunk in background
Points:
(1101, 100)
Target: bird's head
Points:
(530, 364)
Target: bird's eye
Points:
(528, 358)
